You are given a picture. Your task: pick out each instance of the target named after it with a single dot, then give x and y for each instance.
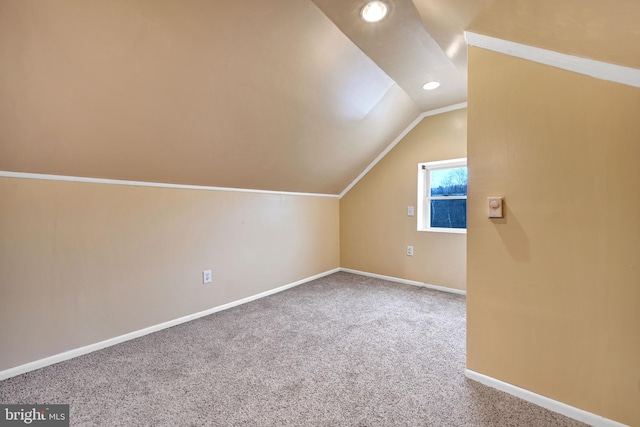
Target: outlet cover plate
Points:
(206, 276)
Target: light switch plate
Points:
(409, 210)
(494, 205)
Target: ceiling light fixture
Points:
(431, 85)
(374, 11)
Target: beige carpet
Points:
(343, 350)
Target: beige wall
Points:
(81, 263)
(374, 227)
(554, 288)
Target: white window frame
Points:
(424, 196)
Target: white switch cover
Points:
(495, 207)
(409, 250)
(206, 276)
(409, 210)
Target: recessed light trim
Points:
(431, 85)
(374, 11)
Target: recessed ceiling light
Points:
(374, 11)
(431, 85)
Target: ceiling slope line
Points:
(590, 67)
(399, 138)
(46, 177)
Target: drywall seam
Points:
(399, 138)
(23, 175)
(32, 366)
(590, 67)
(405, 281)
(550, 404)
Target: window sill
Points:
(445, 230)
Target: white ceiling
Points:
(401, 46)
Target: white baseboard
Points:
(405, 281)
(550, 404)
(61, 357)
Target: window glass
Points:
(448, 182)
(442, 196)
(449, 213)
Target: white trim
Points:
(545, 402)
(24, 175)
(598, 69)
(32, 366)
(399, 138)
(448, 198)
(443, 110)
(445, 164)
(444, 230)
(405, 281)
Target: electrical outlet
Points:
(409, 210)
(206, 276)
(409, 250)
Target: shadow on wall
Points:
(514, 237)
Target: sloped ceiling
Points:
(447, 22)
(248, 94)
(291, 95)
(400, 45)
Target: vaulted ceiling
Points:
(292, 95)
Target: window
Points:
(442, 196)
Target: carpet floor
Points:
(343, 350)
